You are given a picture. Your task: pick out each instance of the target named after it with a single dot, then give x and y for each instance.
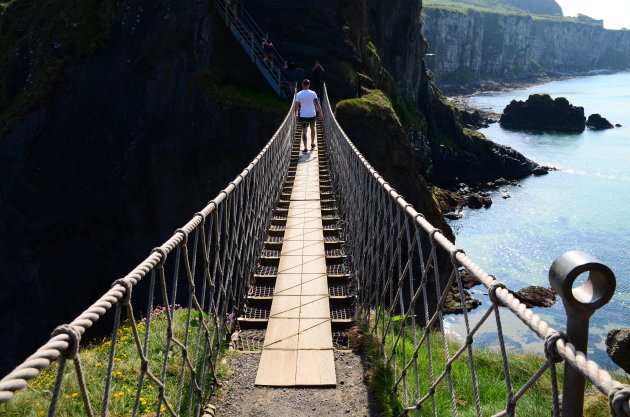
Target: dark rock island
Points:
(597, 122)
(541, 112)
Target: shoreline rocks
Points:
(542, 113)
(532, 296)
(618, 347)
(597, 122)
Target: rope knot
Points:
(551, 351)
(432, 234)
(126, 299)
(162, 252)
(454, 255)
(184, 236)
(619, 401)
(492, 292)
(73, 343)
(201, 216)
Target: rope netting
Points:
(405, 269)
(164, 363)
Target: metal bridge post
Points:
(580, 302)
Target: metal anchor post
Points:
(579, 303)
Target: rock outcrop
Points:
(541, 112)
(474, 46)
(135, 137)
(618, 347)
(597, 122)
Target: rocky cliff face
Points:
(132, 141)
(475, 46)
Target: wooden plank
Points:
(289, 261)
(314, 306)
(282, 334)
(315, 367)
(288, 284)
(277, 368)
(314, 284)
(285, 306)
(313, 264)
(292, 247)
(314, 248)
(314, 334)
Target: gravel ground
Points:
(239, 397)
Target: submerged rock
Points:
(541, 112)
(618, 347)
(597, 122)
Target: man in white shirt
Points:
(306, 109)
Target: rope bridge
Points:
(403, 269)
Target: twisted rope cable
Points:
(345, 151)
(53, 349)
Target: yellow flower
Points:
(75, 394)
(98, 364)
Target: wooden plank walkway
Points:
(298, 347)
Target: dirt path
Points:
(239, 397)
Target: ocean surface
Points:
(582, 206)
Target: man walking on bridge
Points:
(306, 109)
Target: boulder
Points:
(473, 119)
(476, 201)
(618, 347)
(468, 279)
(617, 124)
(597, 122)
(541, 112)
(453, 302)
(535, 296)
(541, 170)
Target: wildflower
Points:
(75, 394)
(97, 364)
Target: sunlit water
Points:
(583, 206)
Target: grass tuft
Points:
(35, 399)
(386, 369)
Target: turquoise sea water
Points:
(582, 206)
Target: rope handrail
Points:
(396, 244)
(223, 228)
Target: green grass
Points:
(496, 7)
(217, 85)
(34, 399)
(489, 372)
